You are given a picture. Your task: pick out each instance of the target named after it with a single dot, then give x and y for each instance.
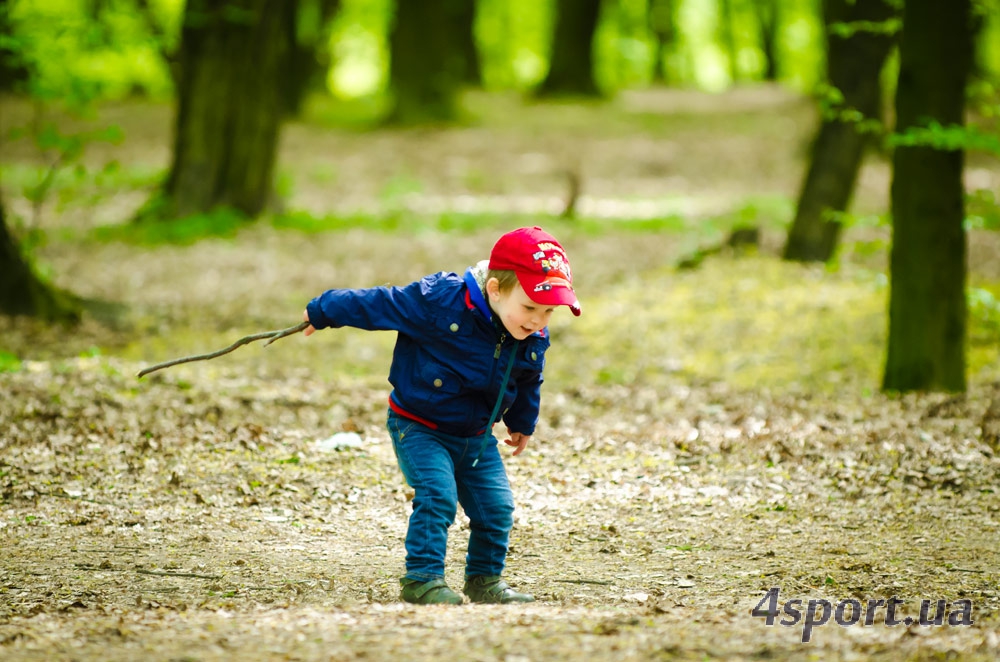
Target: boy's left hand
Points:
(309, 330)
(519, 440)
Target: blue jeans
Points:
(439, 469)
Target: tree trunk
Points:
(234, 54)
(571, 67)
(768, 19)
(728, 38)
(927, 307)
(660, 15)
(465, 35)
(308, 61)
(13, 72)
(427, 65)
(854, 66)
(22, 292)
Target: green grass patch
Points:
(357, 114)
(459, 222)
(9, 362)
(755, 323)
(78, 184)
(222, 223)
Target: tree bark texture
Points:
(854, 66)
(927, 306)
(22, 292)
(233, 56)
(571, 67)
(427, 64)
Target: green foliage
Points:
(847, 29)
(9, 362)
(983, 351)
(64, 152)
(221, 223)
(78, 185)
(79, 51)
(984, 308)
(622, 48)
(360, 49)
(831, 102)
(982, 210)
(947, 138)
(514, 37)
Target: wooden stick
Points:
(194, 575)
(272, 335)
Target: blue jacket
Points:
(450, 353)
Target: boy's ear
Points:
(493, 288)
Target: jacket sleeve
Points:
(402, 309)
(522, 416)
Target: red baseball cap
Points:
(541, 266)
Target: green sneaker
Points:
(434, 592)
(493, 590)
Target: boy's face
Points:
(519, 314)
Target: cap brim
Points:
(555, 295)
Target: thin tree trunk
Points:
(22, 292)
(660, 15)
(728, 38)
(234, 54)
(854, 66)
(927, 307)
(465, 35)
(307, 61)
(426, 66)
(571, 67)
(768, 17)
(13, 72)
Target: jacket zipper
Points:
(496, 354)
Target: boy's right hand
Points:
(309, 330)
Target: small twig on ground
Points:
(77, 498)
(272, 335)
(596, 582)
(176, 574)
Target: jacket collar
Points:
(474, 295)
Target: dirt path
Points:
(180, 521)
(199, 514)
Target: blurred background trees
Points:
(859, 38)
(235, 71)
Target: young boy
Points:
(469, 349)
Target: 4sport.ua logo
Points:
(816, 613)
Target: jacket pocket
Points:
(532, 356)
(439, 381)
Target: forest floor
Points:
(706, 434)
